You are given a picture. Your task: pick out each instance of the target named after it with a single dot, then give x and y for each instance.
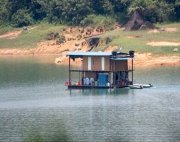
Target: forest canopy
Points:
(20, 13)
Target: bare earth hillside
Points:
(78, 39)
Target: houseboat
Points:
(101, 70)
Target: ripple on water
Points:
(35, 106)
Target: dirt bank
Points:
(150, 60)
(45, 48)
(11, 35)
(163, 43)
(140, 61)
(48, 48)
(76, 40)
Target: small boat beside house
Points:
(101, 70)
(135, 86)
(140, 86)
(147, 85)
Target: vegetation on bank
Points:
(47, 16)
(20, 13)
(137, 40)
(5, 28)
(30, 37)
(123, 40)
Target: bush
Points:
(98, 20)
(22, 18)
(122, 17)
(60, 39)
(52, 35)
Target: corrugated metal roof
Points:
(89, 54)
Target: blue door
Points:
(102, 79)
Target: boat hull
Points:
(140, 86)
(135, 87)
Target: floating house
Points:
(101, 70)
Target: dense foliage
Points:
(74, 12)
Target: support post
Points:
(79, 78)
(115, 85)
(69, 70)
(132, 71)
(110, 73)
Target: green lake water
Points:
(35, 105)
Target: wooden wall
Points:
(85, 63)
(96, 63)
(121, 65)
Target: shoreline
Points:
(141, 60)
(150, 60)
(145, 60)
(55, 53)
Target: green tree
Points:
(104, 7)
(25, 12)
(3, 12)
(175, 15)
(152, 10)
(177, 10)
(164, 10)
(68, 11)
(38, 9)
(22, 18)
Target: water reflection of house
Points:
(102, 70)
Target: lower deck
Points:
(92, 87)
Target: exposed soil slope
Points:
(76, 39)
(11, 35)
(163, 43)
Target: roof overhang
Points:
(118, 56)
(88, 54)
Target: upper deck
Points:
(102, 61)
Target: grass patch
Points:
(30, 38)
(132, 40)
(137, 40)
(98, 20)
(168, 25)
(4, 29)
